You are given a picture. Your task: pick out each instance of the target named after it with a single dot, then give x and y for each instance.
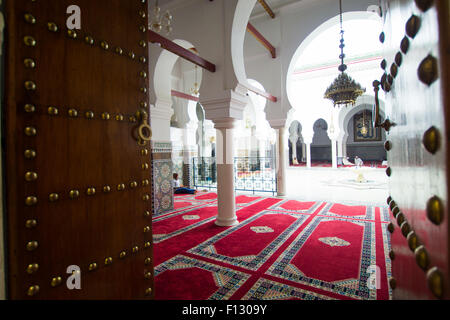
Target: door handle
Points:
(144, 130)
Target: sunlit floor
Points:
(337, 185)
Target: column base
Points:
(226, 222)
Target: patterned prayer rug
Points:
(281, 249)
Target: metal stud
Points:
(146, 229)
(143, 74)
(146, 197)
(143, 104)
(73, 194)
(143, 59)
(145, 166)
(106, 189)
(30, 85)
(72, 34)
(104, 45)
(30, 18)
(435, 210)
(147, 213)
(29, 41)
(106, 116)
(31, 201)
(398, 59)
(148, 275)
(422, 259)
(72, 113)
(395, 211)
(90, 191)
(121, 187)
(133, 184)
(53, 197)
(404, 45)
(389, 199)
(394, 70)
(390, 79)
(119, 117)
(424, 5)
(31, 176)
(143, 90)
(435, 280)
(89, 40)
(391, 227)
(32, 268)
(383, 64)
(92, 266)
(108, 261)
(135, 249)
(30, 154)
(89, 115)
(142, 28)
(56, 281)
(29, 63)
(148, 291)
(388, 145)
(413, 26)
(392, 283)
(52, 27)
(428, 70)
(147, 261)
(392, 254)
(400, 218)
(53, 111)
(123, 254)
(119, 50)
(31, 224)
(381, 37)
(144, 152)
(145, 182)
(405, 228)
(392, 204)
(413, 241)
(142, 14)
(29, 108)
(432, 140)
(147, 245)
(33, 290)
(388, 171)
(32, 245)
(131, 55)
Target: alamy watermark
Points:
(74, 20)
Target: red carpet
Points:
(281, 249)
(327, 164)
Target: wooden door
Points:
(416, 49)
(78, 183)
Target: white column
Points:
(225, 173)
(333, 154)
(303, 152)
(308, 155)
(293, 140)
(281, 162)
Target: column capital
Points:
(277, 123)
(225, 123)
(230, 105)
(161, 113)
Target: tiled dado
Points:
(162, 170)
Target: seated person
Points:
(294, 161)
(347, 162)
(178, 189)
(358, 162)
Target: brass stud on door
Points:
(142, 14)
(31, 176)
(383, 64)
(394, 70)
(413, 26)
(33, 290)
(72, 34)
(146, 197)
(89, 115)
(30, 154)
(92, 266)
(29, 18)
(148, 291)
(119, 50)
(135, 249)
(90, 191)
(391, 227)
(72, 113)
(32, 268)
(392, 254)
(142, 28)
(388, 171)
(56, 281)
(404, 45)
(89, 40)
(435, 280)
(106, 189)
(29, 63)
(31, 224)
(392, 204)
(131, 55)
(395, 211)
(398, 59)
(388, 146)
(435, 210)
(29, 108)
(422, 259)
(53, 111)
(405, 228)
(133, 184)
(146, 213)
(413, 241)
(32, 245)
(145, 166)
(400, 218)
(121, 187)
(392, 283)
(148, 275)
(52, 27)
(29, 41)
(30, 85)
(104, 45)
(381, 37)
(431, 140)
(31, 201)
(424, 5)
(122, 255)
(147, 245)
(143, 90)
(147, 261)
(146, 229)
(53, 197)
(108, 261)
(143, 43)
(144, 152)
(143, 74)
(119, 117)
(389, 199)
(143, 59)
(428, 70)
(73, 194)
(106, 116)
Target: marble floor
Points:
(337, 185)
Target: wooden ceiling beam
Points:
(183, 95)
(267, 8)
(171, 46)
(262, 40)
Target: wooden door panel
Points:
(417, 175)
(94, 149)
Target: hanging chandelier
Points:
(344, 90)
(364, 129)
(159, 21)
(195, 90)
